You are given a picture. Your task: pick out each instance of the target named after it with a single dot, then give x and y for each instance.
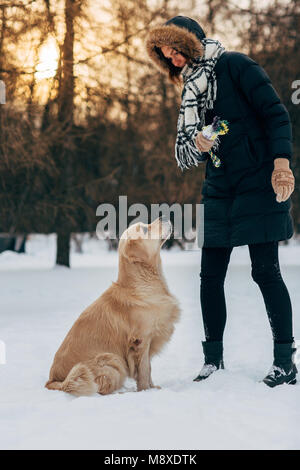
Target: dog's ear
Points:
(135, 251)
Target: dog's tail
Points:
(104, 374)
(79, 381)
(53, 385)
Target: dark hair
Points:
(174, 72)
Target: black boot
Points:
(213, 354)
(284, 369)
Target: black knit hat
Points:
(189, 24)
(181, 33)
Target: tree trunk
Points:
(66, 117)
(63, 248)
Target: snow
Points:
(230, 410)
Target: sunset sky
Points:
(95, 32)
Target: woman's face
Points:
(177, 59)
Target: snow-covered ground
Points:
(231, 410)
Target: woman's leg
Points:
(214, 263)
(266, 273)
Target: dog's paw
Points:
(155, 386)
(104, 383)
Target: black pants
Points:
(265, 271)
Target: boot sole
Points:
(200, 380)
(272, 385)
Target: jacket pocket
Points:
(251, 151)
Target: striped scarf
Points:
(199, 93)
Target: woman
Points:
(247, 197)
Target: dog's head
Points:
(142, 242)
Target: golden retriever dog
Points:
(118, 334)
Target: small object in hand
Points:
(212, 132)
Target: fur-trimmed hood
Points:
(181, 33)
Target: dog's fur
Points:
(119, 333)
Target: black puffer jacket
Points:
(240, 205)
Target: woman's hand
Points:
(203, 144)
(283, 181)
